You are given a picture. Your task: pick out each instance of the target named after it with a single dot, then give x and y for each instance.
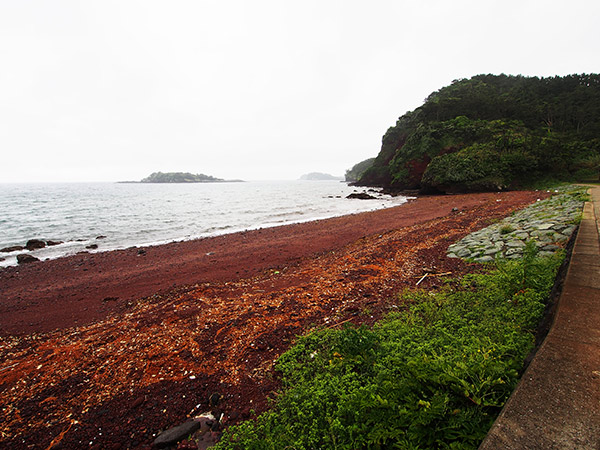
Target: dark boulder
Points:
(34, 244)
(50, 243)
(173, 435)
(24, 258)
(92, 246)
(361, 196)
(14, 248)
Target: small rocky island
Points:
(318, 176)
(183, 177)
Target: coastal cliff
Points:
(493, 133)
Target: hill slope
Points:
(318, 176)
(180, 177)
(354, 174)
(494, 132)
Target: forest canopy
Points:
(494, 132)
(358, 169)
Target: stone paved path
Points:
(557, 403)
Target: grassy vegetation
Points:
(506, 229)
(433, 375)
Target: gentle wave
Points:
(135, 214)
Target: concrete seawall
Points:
(556, 405)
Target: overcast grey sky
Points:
(114, 90)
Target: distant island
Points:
(318, 176)
(182, 177)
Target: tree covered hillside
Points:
(494, 132)
(358, 169)
(179, 177)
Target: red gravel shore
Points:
(106, 349)
(83, 288)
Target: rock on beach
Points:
(35, 244)
(173, 435)
(14, 248)
(25, 258)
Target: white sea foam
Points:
(136, 214)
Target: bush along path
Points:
(549, 223)
(433, 375)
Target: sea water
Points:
(122, 215)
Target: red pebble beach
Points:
(104, 350)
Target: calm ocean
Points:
(135, 214)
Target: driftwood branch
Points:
(432, 275)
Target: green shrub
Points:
(432, 376)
